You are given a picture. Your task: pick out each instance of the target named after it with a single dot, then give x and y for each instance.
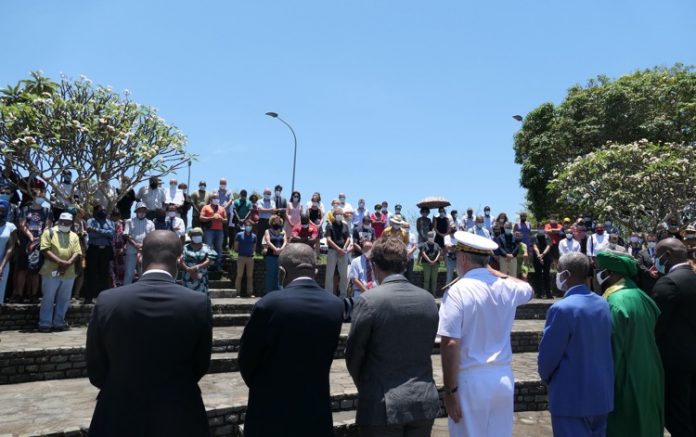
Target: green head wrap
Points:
(617, 262)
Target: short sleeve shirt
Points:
(137, 229)
(432, 250)
(209, 211)
(62, 244)
(338, 233)
(267, 204)
(478, 310)
(246, 243)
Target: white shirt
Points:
(412, 241)
(176, 196)
(596, 243)
(567, 246)
(178, 225)
(479, 310)
(153, 198)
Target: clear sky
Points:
(392, 100)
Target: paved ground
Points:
(26, 341)
(53, 406)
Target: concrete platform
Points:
(61, 406)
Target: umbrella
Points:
(433, 202)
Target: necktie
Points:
(169, 225)
(368, 269)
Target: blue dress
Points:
(271, 278)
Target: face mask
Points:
(276, 227)
(247, 229)
(384, 210)
(508, 231)
(278, 193)
(442, 214)
(487, 213)
(39, 200)
(652, 244)
(342, 200)
(339, 218)
(197, 239)
(305, 226)
(141, 215)
(479, 225)
(63, 228)
(600, 279)
(295, 199)
(569, 236)
(600, 231)
(367, 226)
(215, 201)
(266, 196)
(201, 187)
(361, 205)
(431, 239)
(171, 214)
(315, 203)
(101, 215)
(184, 190)
(634, 239)
(153, 185)
(560, 284)
(172, 185)
(5, 197)
(659, 266)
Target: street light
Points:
(294, 137)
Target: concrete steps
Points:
(61, 407)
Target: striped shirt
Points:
(137, 229)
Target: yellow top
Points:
(403, 233)
(64, 246)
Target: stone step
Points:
(62, 407)
(34, 356)
(222, 293)
(15, 317)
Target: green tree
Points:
(48, 127)
(638, 184)
(658, 104)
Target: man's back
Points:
(389, 353)
(148, 344)
(287, 348)
(575, 355)
(479, 309)
(675, 295)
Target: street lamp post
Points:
(294, 137)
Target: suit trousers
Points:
(334, 261)
(411, 429)
(680, 402)
(245, 264)
(590, 426)
(55, 301)
(97, 273)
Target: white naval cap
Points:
(472, 243)
(65, 216)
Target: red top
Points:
(309, 234)
(378, 224)
(555, 236)
(210, 211)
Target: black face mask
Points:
(276, 227)
(101, 215)
(153, 185)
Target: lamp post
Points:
(294, 137)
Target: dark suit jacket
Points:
(148, 344)
(643, 278)
(675, 295)
(389, 354)
(285, 356)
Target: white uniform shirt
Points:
(567, 246)
(596, 243)
(479, 310)
(175, 196)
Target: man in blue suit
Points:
(575, 356)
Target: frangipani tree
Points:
(637, 184)
(48, 127)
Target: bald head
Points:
(297, 259)
(672, 252)
(161, 250)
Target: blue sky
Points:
(390, 100)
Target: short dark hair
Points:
(243, 193)
(389, 255)
(278, 187)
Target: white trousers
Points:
(333, 262)
(486, 396)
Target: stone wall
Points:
(17, 317)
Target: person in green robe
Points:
(639, 377)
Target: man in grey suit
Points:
(389, 347)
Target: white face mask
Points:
(171, 214)
(140, 215)
(278, 193)
(431, 239)
(63, 228)
(600, 279)
(652, 244)
(560, 284)
(215, 201)
(339, 218)
(197, 239)
(223, 187)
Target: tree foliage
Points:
(48, 127)
(637, 184)
(658, 104)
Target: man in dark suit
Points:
(148, 345)
(675, 295)
(389, 350)
(647, 275)
(287, 349)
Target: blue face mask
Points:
(659, 266)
